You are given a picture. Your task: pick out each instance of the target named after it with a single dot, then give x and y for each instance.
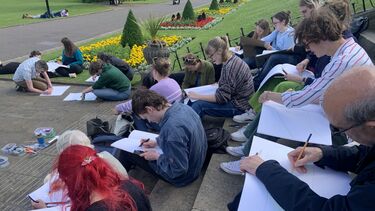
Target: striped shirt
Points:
(235, 84)
(347, 56)
(166, 87)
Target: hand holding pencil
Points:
(304, 155)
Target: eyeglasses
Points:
(335, 130)
(210, 56)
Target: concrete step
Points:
(367, 41)
(167, 197)
(218, 188)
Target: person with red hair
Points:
(94, 185)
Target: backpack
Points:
(124, 125)
(217, 140)
(358, 25)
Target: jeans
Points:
(144, 125)
(111, 94)
(250, 61)
(214, 109)
(271, 62)
(73, 68)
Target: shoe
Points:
(232, 167)
(239, 136)
(20, 89)
(246, 117)
(235, 151)
(72, 75)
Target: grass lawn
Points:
(11, 10)
(244, 17)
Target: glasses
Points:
(335, 130)
(210, 56)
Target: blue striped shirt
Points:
(347, 56)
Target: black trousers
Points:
(74, 68)
(9, 68)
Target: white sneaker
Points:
(235, 151)
(232, 167)
(246, 117)
(239, 136)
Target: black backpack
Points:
(217, 140)
(358, 25)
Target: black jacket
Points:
(293, 194)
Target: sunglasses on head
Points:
(187, 60)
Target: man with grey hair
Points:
(349, 104)
(27, 76)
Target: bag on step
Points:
(124, 125)
(96, 127)
(217, 140)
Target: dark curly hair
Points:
(321, 26)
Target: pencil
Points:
(304, 147)
(144, 142)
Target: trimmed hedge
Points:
(132, 34)
(188, 13)
(214, 5)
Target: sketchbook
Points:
(295, 123)
(236, 51)
(78, 97)
(288, 68)
(92, 80)
(325, 182)
(57, 91)
(52, 66)
(203, 90)
(43, 193)
(132, 143)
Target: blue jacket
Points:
(75, 59)
(184, 144)
(293, 194)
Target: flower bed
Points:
(133, 56)
(187, 24)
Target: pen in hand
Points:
(144, 142)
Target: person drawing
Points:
(112, 84)
(197, 72)
(71, 57)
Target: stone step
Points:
(367, 41)
(219, 188)
(167, 197)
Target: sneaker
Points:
(20, 89)
(246, 117)
(232, 167)
(239, 136)
(235, 151)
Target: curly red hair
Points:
(96, 175)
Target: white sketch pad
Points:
(77, 97)
(57, 91)
(325, 182)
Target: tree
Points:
(188, 13)
(214, 5)
(132, 33)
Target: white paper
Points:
(57, 91)
(290, 69)
(236, 51)
(325, 182)
(203, 90)
(295, 123)
(52, 66)
(265, 52)
(57, 208)
(77, 97)
(43, 193)
(91, 80)
(132, 143)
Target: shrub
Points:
(228, 1)
(214, 5)
(151, 26)
(188, 13)
(132, 34)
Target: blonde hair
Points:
(72, 137)
(219, 43)
(341, 9)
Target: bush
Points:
(214, 5)
(188, 13)
(132, 33)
